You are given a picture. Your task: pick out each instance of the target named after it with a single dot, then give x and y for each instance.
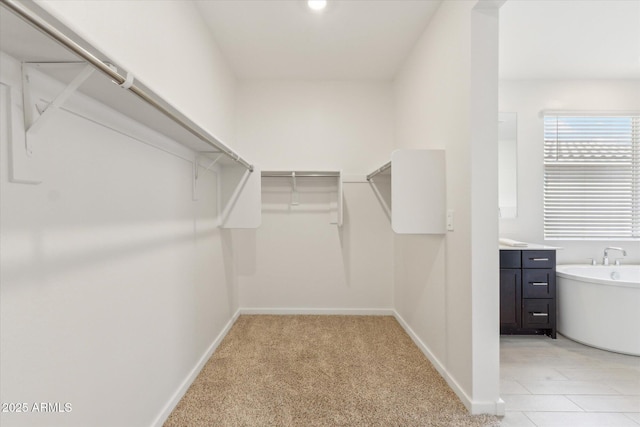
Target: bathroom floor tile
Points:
(607, 403)
(621, 360)
(525, 340)
(582, 419)
(630, 388)
(512, 387)
(516, 419)
(568, 387)
(604, 387)
(635, 416)
(604, 373)
(526, 403)
(527, 372)
(560, 363)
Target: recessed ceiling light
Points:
(317, 5)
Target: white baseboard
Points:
(493, 408)
(182, 389)
(435, 362)
(319, 311)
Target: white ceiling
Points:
(370, 39)
(570, 39)
(284, 39)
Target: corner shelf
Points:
(411, 188)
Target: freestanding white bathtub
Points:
(600, 306)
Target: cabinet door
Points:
(510, 297)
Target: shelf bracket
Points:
(33, 123)
(379, 170)
(294, 193)
(196, 168)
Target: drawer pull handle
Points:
(539, 284)
(539, 314)
(540, 259)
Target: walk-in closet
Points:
(180, 179)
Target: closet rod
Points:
(379, 170)
(48, 29)
(306, 174)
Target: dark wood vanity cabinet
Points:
(528, 292)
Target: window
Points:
(591, 177)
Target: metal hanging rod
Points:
(298, 174)
(41, 24)
(379, 170)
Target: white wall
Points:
(297, 259)
(446, 286)
(306, 125)
(528, 98)
(167, 46)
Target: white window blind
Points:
(591, 177)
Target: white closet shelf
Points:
(293, 175)
(411, 189)
(307, 174)
(37, 39)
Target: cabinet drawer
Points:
(509, 259)
(538, 283)
(538, 259)
(538, 313)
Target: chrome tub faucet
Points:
(605, 259)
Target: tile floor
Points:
(547, 382)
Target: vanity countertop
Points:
(516, 245)
(529, 247)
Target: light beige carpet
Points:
(320, 371)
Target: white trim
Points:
(589, 113)
(494, 408)
(491, 408)
(182, 389)
(466, 400)
(319, 311)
